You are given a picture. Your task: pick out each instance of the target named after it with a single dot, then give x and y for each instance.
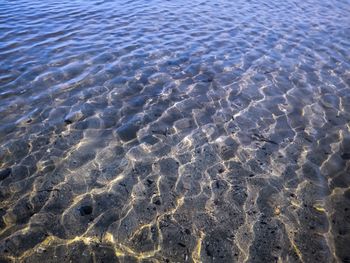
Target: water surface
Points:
(175, 131)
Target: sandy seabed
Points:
(175, 131)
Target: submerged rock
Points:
(73, 117)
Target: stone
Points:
(73, 117)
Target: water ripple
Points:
(186, 131)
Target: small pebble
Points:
(277, 211)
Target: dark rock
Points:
(345, 156)
(67, 121)
(157, 202)
(181, 244)
(149, 182)
(85, 210)
(4, 173)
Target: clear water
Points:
(175, 131)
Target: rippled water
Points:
(175, 131)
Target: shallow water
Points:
(175, 131)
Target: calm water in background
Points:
(175, 131)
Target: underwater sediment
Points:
(174, 131)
